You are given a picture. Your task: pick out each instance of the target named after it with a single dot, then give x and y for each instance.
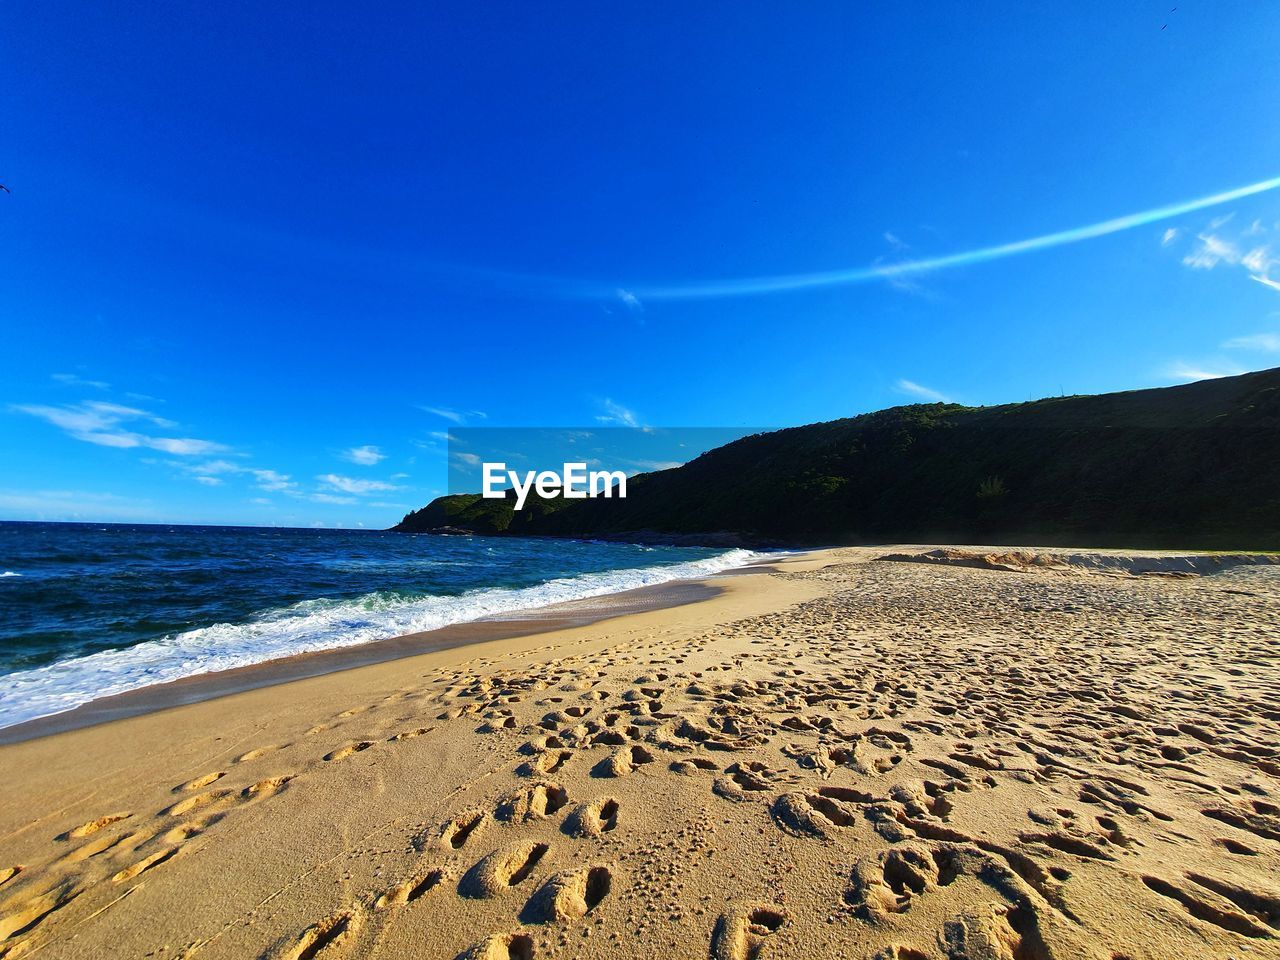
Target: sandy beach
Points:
(833, 757)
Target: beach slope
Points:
(840, 756)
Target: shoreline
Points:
(201, 687)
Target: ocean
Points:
(91, 610)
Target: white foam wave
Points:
(10, 573)
(306, 627)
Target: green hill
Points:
(1193, 466)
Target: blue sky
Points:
(260, 258)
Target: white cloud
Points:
(470, 459)
(1212, 250)
(331, 498)
(269, 480)
(210, 481)
(616, 413)
(917, 390)
(457, 416)
(365, 456)
(1188, 372)
(630, 301)
(895, 241)
(384, 505)
(211, 467)
(183, 446)
(1258, 260)
(72, 380)
(1266, 342)
(352, 485)
(272, 481)
(647, 465)
(1169, 236)
(104, 424)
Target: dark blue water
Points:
(88, 610)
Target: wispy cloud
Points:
(331, 498)
(1247, 249)
(1189, 371)
(1265, 342)
(1169, 236)
(73, 380)
(365, 456)
(457, 416)
(1210, 251)
(779, 283)
(352, 485)
(617, 414)
(74, 505)
(647, 465)
(209, 481)
(630, 301)
(114, 425)
(911, 388)
(271, 481)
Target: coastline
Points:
(181, 669)
(301, 666)
(767, 762)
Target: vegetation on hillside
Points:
(1189, 466)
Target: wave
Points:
(307, 627)
(10, 573)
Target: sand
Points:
(837, 758)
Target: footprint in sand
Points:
(692, 765)
(455, 834)
(623, 762)
(265, 788)
(325, 939)
(592, 819)
(411, 889)
(545, 763)
(541, 800)
(145, 864)
(569, 896)
(32, 912)
(255, 753)
(1223, 904)
(819, 814)
(742, 932)
(503, 946)
(409, 734)
(93, 826)
(343, 752)
(103, 844)
(211, 800)
(502, 869)
(889, 882)
(744, 781)
(199, 782)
